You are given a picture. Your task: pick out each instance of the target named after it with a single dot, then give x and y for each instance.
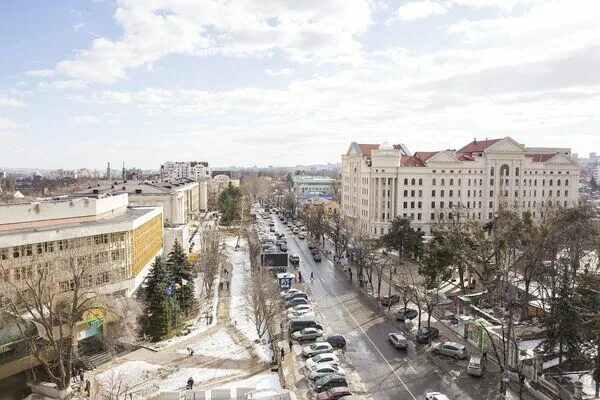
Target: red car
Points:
(333, 393)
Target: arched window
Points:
(420, 181)
(492, 171)
(412, 182)
(558, 182)
(517, 171)
(433, 182)
(550, 182)
(504, 170)
(406, 181)
(451, 181)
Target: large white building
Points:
(380, 182)
(179, 170)
(313, 184)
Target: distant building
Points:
(217, 185)
(194, 170)
(313, 184)
(381, 182)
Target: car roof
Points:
(453, 344)
(397, 334)
(340, 389)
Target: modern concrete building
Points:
(380, 182)
(179, 170)
(312, 184)
(114, 243)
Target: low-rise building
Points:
(313, 184)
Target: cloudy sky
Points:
(282, 82)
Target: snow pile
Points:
(218, 345)
(259, 381)
(240, 262)
(143, 380)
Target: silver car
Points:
(316, 348)
(307, 334)
(451, 349)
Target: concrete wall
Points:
(181, 233)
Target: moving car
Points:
(436, 396)
(328, 358)
(390, 300)
(451, 349)
(334, 393)
(316, 348)
(293, 259)
(398, 340)
(427, 334)
(338, 341)
(475, 366)
(317, 257)
(403, 314)
(321, 370)
(307, 334)
(330, 381)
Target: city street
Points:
(385, 372)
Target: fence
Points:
(211, 394)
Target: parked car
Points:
(294, 259)
(311, 246)
(314, 251)
(301, 313)
(289, 224)
(301, 236)
(338, 341)
(398, 340)
(436, 396)
(451, 349)
(295, 302)
(299, 324)
(390, 300)
(403, 314)
(321, 370)
(271, 223)
(330, 381)
(327, 358)
(476, 366)
(334, 393)
(427, 334)
(295, 230)
(301, 307)
(305, 316)
(307, 334)
(297, 295)
(289, 291)
(283, 247)
(316, 348)
(317, 257)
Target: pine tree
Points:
(157, 303)
(182, 275)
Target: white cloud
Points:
(84, 119)
(420, 9)
(8, 124)
(309, 31)
(279, 72)
(40, 73)
(67, 84)
(10, 102)
(77, 27)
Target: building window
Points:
(405, 181)
(491, 193)
(420, 193)
(433, 204)
(504, 171)
(406, 193)
(420, 181)
(451, 181)
(443, 181)
(412, 182)
(441, 204)
(451, 193)
(442, 193)
(433, 181)
(418, 216)
(433, 216)
(412, 193)
(412, 204)
(492, 171)
(419, 205)
(491, 182)
(433, 193)
(491, 204)
(405, 204)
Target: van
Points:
(299, 324)
(475, 366)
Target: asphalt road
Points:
(385, 373)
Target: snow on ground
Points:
(240, 261)
(589, 385)
(144, 380)
(259, 381)
(551, 363)
(530, 344)
(219, 345)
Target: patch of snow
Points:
(218, 345)
(589, 384)
(259, 381)
(240, 262)
(552, 363)
(530, 344)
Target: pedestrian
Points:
(190, 383)
(299, 276)
(484, 356)
(81, 375)
(350, 274)
(220, 285)
(312, 276)
(282, 354)
(87, 388)
(191, 352)
(291, 345)
(227, 282)
(73, 374)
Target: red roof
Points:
(477, 146)
(540, 157)
(367, 148)
(411, 161)
(425, 155)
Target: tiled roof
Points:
(425, 155)
(367, 148)
(540, 157)
(477, 146)
(411, 161)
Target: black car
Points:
(426, 335)
(314, 251)
(390, 300)
(317, 257)
(294, 259)
(405, 313)
(330, 381)
(311, 246)
(338, 341)
(299, 324)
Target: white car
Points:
(296, 230)
(302, 307)
(325, 358)
(316, 348)
(292, 295)
(436, 396)
(304, 314)
(320, 370)
(289, 292)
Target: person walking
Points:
(299, 276)
(350, 274)
(484, 356)
(291, 345)
(81, 375)
(190, 383)
(87, 388)
(282, 354)
(312, 276)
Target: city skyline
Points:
(261, 83)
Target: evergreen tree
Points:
(158, 307)
(182, 275)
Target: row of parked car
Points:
(326, 377)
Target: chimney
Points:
(474, 140)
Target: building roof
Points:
(477, 146)
(137, 187)
(411, 161)
(425, 155)
(540, 157)
(366, 149)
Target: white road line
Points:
(373, 343)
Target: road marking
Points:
(373, 343)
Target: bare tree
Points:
(262, 300)
(338, 232)
(209, 262)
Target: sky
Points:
(286, 82)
